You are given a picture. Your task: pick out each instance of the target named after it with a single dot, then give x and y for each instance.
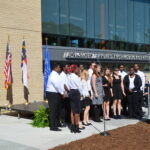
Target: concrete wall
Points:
(20, 18)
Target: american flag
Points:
(24, 65)
(7, 68)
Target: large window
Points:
(112, 19)
(90, 18)
(130, 20)
(139, 21)
(101, 19)
(124, 24)
(121, 20)
(77, 17)
(50, 16)
(64, 17)
(147, 22)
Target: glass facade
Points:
(102, 24)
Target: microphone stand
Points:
(104, 133)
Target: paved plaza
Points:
(18, 134)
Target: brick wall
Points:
(20, 18)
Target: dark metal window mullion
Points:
(69, 21)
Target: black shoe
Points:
(76, 130)
(98, 120)
(143, 113)
(115, 117)
(89, 124)
(119, 117)
(108, 119)
(84, 124)
(55, 129)
(82, 128)
(129, 117)
(72, 128)
(138, 117)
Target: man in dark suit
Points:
(132, 85)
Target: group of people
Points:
(75, 94)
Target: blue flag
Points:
(47, 68)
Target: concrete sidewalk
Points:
(18, 134)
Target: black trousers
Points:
(65, 110)
(54, 101)
(124, 105)
(133, 104)
(141, 101)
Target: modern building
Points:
(116, 31)
(107, 31)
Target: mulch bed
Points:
(131, 137)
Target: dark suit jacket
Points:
(137, 83)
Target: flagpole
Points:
(9, 105)
(26, 101)
(25, 90)
(8, 39)
(46, 40)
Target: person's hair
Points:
(121, 65)
(137, 65)
(131, 67)
(109, 76)
(80, 65)
(63, 65)
(95, 70)
(55, 66)
(92, 63)
(115, 69)
(84, 75)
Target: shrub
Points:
(41, 118)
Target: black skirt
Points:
(74, 96)
(87, 102)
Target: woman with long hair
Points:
(118, 92)
(75, 94)
(108, 94)
(97, 92)
(86, 97)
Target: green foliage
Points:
(41, 118)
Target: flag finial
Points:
(46, 39)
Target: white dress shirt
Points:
(90, 71)
(142, 76)
(131, 85)
(85, 88)
(122, 74)
(75, 82)
(64, 79)
(54, 83)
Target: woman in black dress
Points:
(118, 92)
(107, 81)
